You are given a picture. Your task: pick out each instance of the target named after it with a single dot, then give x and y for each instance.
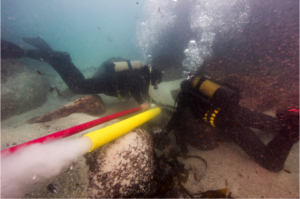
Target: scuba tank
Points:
(219, 95)
(123, 65)
(114, 67)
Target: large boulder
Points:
(10, 67)
(255, 93)
(123, 167)
(22, 92)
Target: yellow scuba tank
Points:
(220, 96)
(130, 65)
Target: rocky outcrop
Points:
(22, 92)
(91, 104)
(255, 93)
(10, 67)
(122, 168)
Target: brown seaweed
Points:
(221, 193)
(158, 10)
(58, 92)
(183, 176)
(229, 195)
(50, 89)
(235, 124)
(287, 171)
(91, 104)
(39, 72)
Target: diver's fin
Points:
(10, 50)
(37, 42)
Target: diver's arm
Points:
(145, 94)
(137, 96)
(177, 115)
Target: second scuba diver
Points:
(132, 82)
(217, 106)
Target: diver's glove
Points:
(289, 118)
(164, 130)
(160, 138)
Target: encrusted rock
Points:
(122, 168)
(10, 67)
(22, 92)
(255, 93)
(91, 104)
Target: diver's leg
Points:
(105, 83)
(276, 152)
(182, 104)
(10, 50)
(61, 62)
(247, 118)
(271, 156)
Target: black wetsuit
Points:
(127, 83)
(234, 122)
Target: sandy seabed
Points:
(228, 166)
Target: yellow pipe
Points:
(107, 134)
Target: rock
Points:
(255, 93)
(91, 104)
(22, 92)
(10, 67)
(123, 167)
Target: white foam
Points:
(38, 162)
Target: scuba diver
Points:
(132, 80)
(217, 106)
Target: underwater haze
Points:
(91, 31)
(224, 73)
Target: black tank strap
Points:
(201, 80)
(129, 64)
